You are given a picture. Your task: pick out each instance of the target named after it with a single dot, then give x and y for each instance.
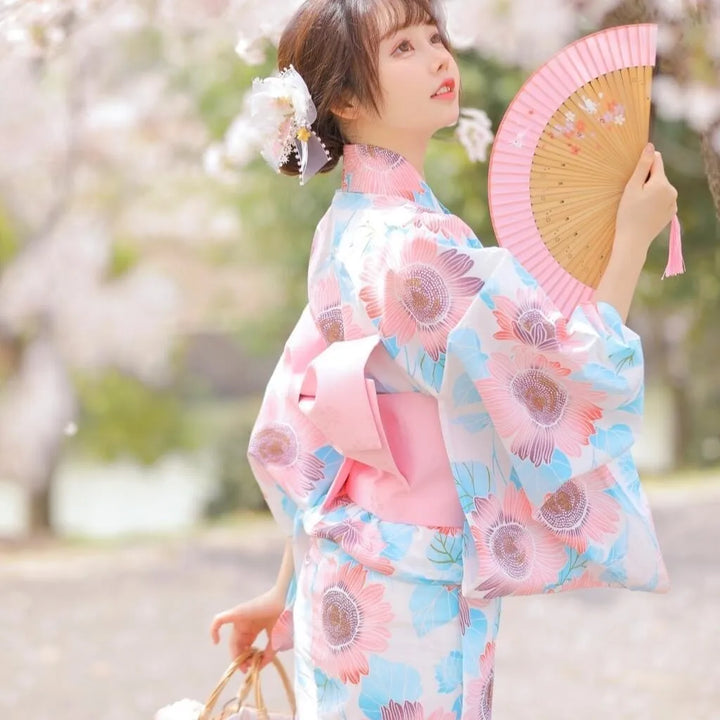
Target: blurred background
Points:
(151, 267)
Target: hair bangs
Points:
(386, 17)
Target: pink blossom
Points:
(419, 289)
(379, 171)
(334, 319)
(533, 320)
(516, 553)
(351, 620)
(581, 511)
(480, 691)
(449, 226)
(533, 401)
(286, 447)
(360, 540)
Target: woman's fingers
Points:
(657, 171)
(645, 162)
(217, 622)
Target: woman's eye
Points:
(404, 46)
(437, 37)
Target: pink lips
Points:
(450, 83)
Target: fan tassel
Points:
(675, 264)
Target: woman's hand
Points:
(646, 207)
(648, 204)
(248, 620)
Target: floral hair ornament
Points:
(283, 112)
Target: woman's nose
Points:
(440, 58)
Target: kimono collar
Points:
(375, 170)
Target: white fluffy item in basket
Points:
(250, 713)
(185, 709)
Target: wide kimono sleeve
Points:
(291, 461)
(539, 411)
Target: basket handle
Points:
(252, 678)
(289, 693)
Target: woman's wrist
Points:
(628, 252)
(278, 593)
(618, 283)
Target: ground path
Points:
(114, 632)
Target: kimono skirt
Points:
(381, 628)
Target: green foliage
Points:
(9, 244)
(226, 427)
(124, 257)
(121, 417)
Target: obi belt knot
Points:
(396, 465)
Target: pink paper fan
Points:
(563, 154)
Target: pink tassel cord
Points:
(675, 264)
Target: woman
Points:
(436, 434)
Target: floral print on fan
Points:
(574, 130)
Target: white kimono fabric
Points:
(417, 338)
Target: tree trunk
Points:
(39, 510)
(683, 451)
(711, 157)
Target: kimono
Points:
(436, 436)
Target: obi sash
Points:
(396, 465)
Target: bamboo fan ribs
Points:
(563, 153)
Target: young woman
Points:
(436, 434)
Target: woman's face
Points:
(420, 81)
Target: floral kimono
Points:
(435, 436)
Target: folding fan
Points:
(563, 153)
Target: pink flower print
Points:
(464, 613)
(278, 445)
(441, 714)
(281, 636)
(332, 318)
(589, 579)
(581, 511)
(412, 711)
(480, 691)
(361, 541)
(407, 711)
(533, 401)
(449, 226)
(351, 621)
(533, 320)
(516, 552)
(379, 171)
(417, 291)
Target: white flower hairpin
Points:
(283, 112)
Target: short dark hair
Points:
(333, 44)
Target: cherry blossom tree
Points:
(102, 138)
(101, 161)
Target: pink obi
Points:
(396, 465)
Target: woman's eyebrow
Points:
(399, 28)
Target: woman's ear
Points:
(346, 110)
